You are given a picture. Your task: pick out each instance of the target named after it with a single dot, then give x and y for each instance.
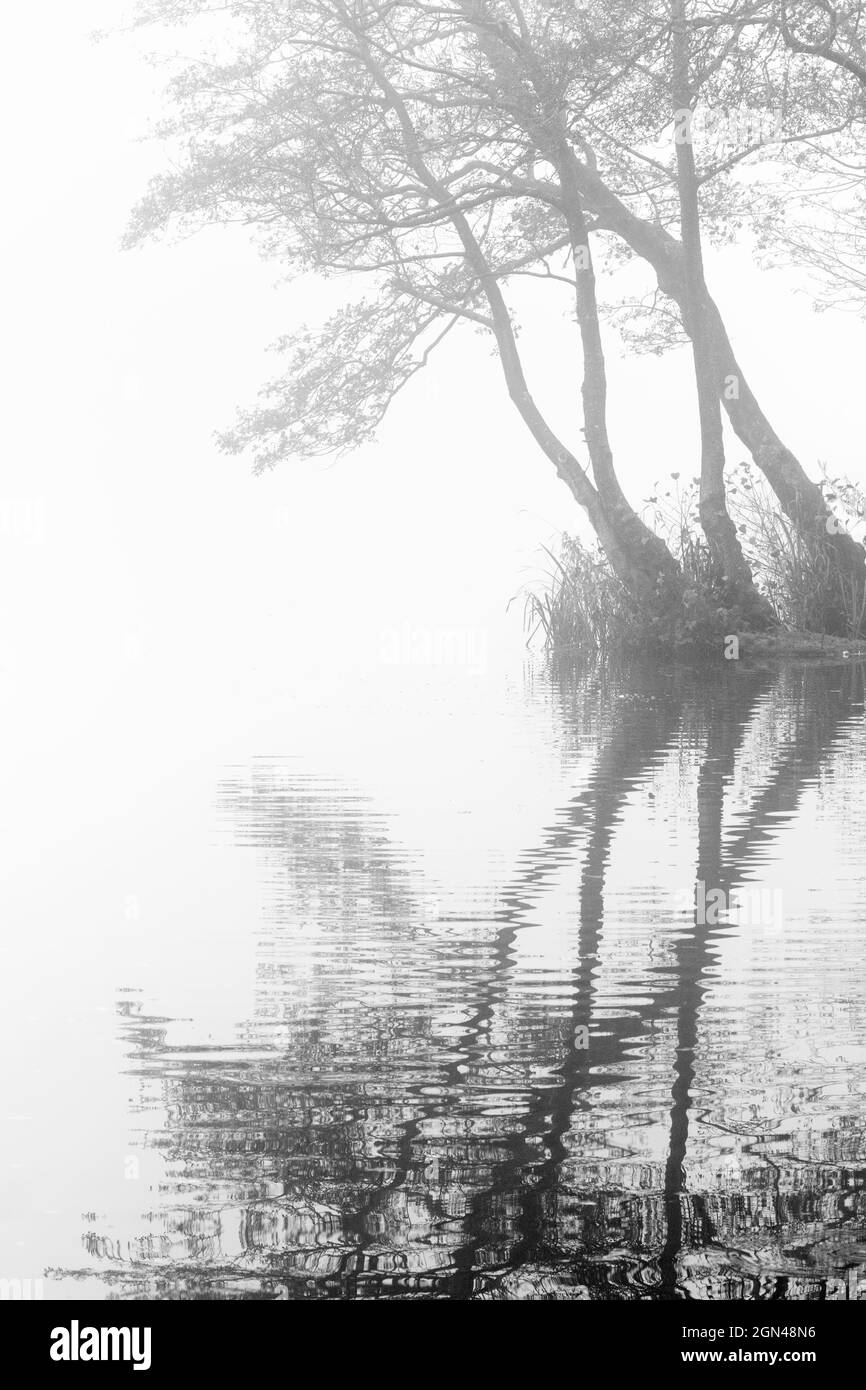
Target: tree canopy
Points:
(439, 151)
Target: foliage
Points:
(435, 153)
(584, 608)
(293, 122)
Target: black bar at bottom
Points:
(165, 1339)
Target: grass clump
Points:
(583, 606)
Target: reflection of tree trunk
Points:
(792, 770)
(518, 1203)
(628, 757)
(823, 713)
(591, 821)
(524, 1193)
(727, 724)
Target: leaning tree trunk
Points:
(800, 498)
(649, 573)
(649, 557)
(732, 573)
(640, 571)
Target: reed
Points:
(581, 605)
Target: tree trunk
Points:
(799, 497)
(659, 574)
(732, 573)
(640, 558)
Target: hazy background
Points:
(155, 571)
(164, 614)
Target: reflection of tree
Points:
(586, 825)
(406, 1115)
(819, 711)
(725, 709)
(726, 725)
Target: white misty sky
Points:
(161, 607)
(165, 569)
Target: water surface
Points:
(488, 1045)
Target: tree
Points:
(819, 224)
(620, 61)
(444, 149)
(718, 526)
(359, 139)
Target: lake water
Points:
(536, 985)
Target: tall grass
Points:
(793, 566)
(583, 606)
